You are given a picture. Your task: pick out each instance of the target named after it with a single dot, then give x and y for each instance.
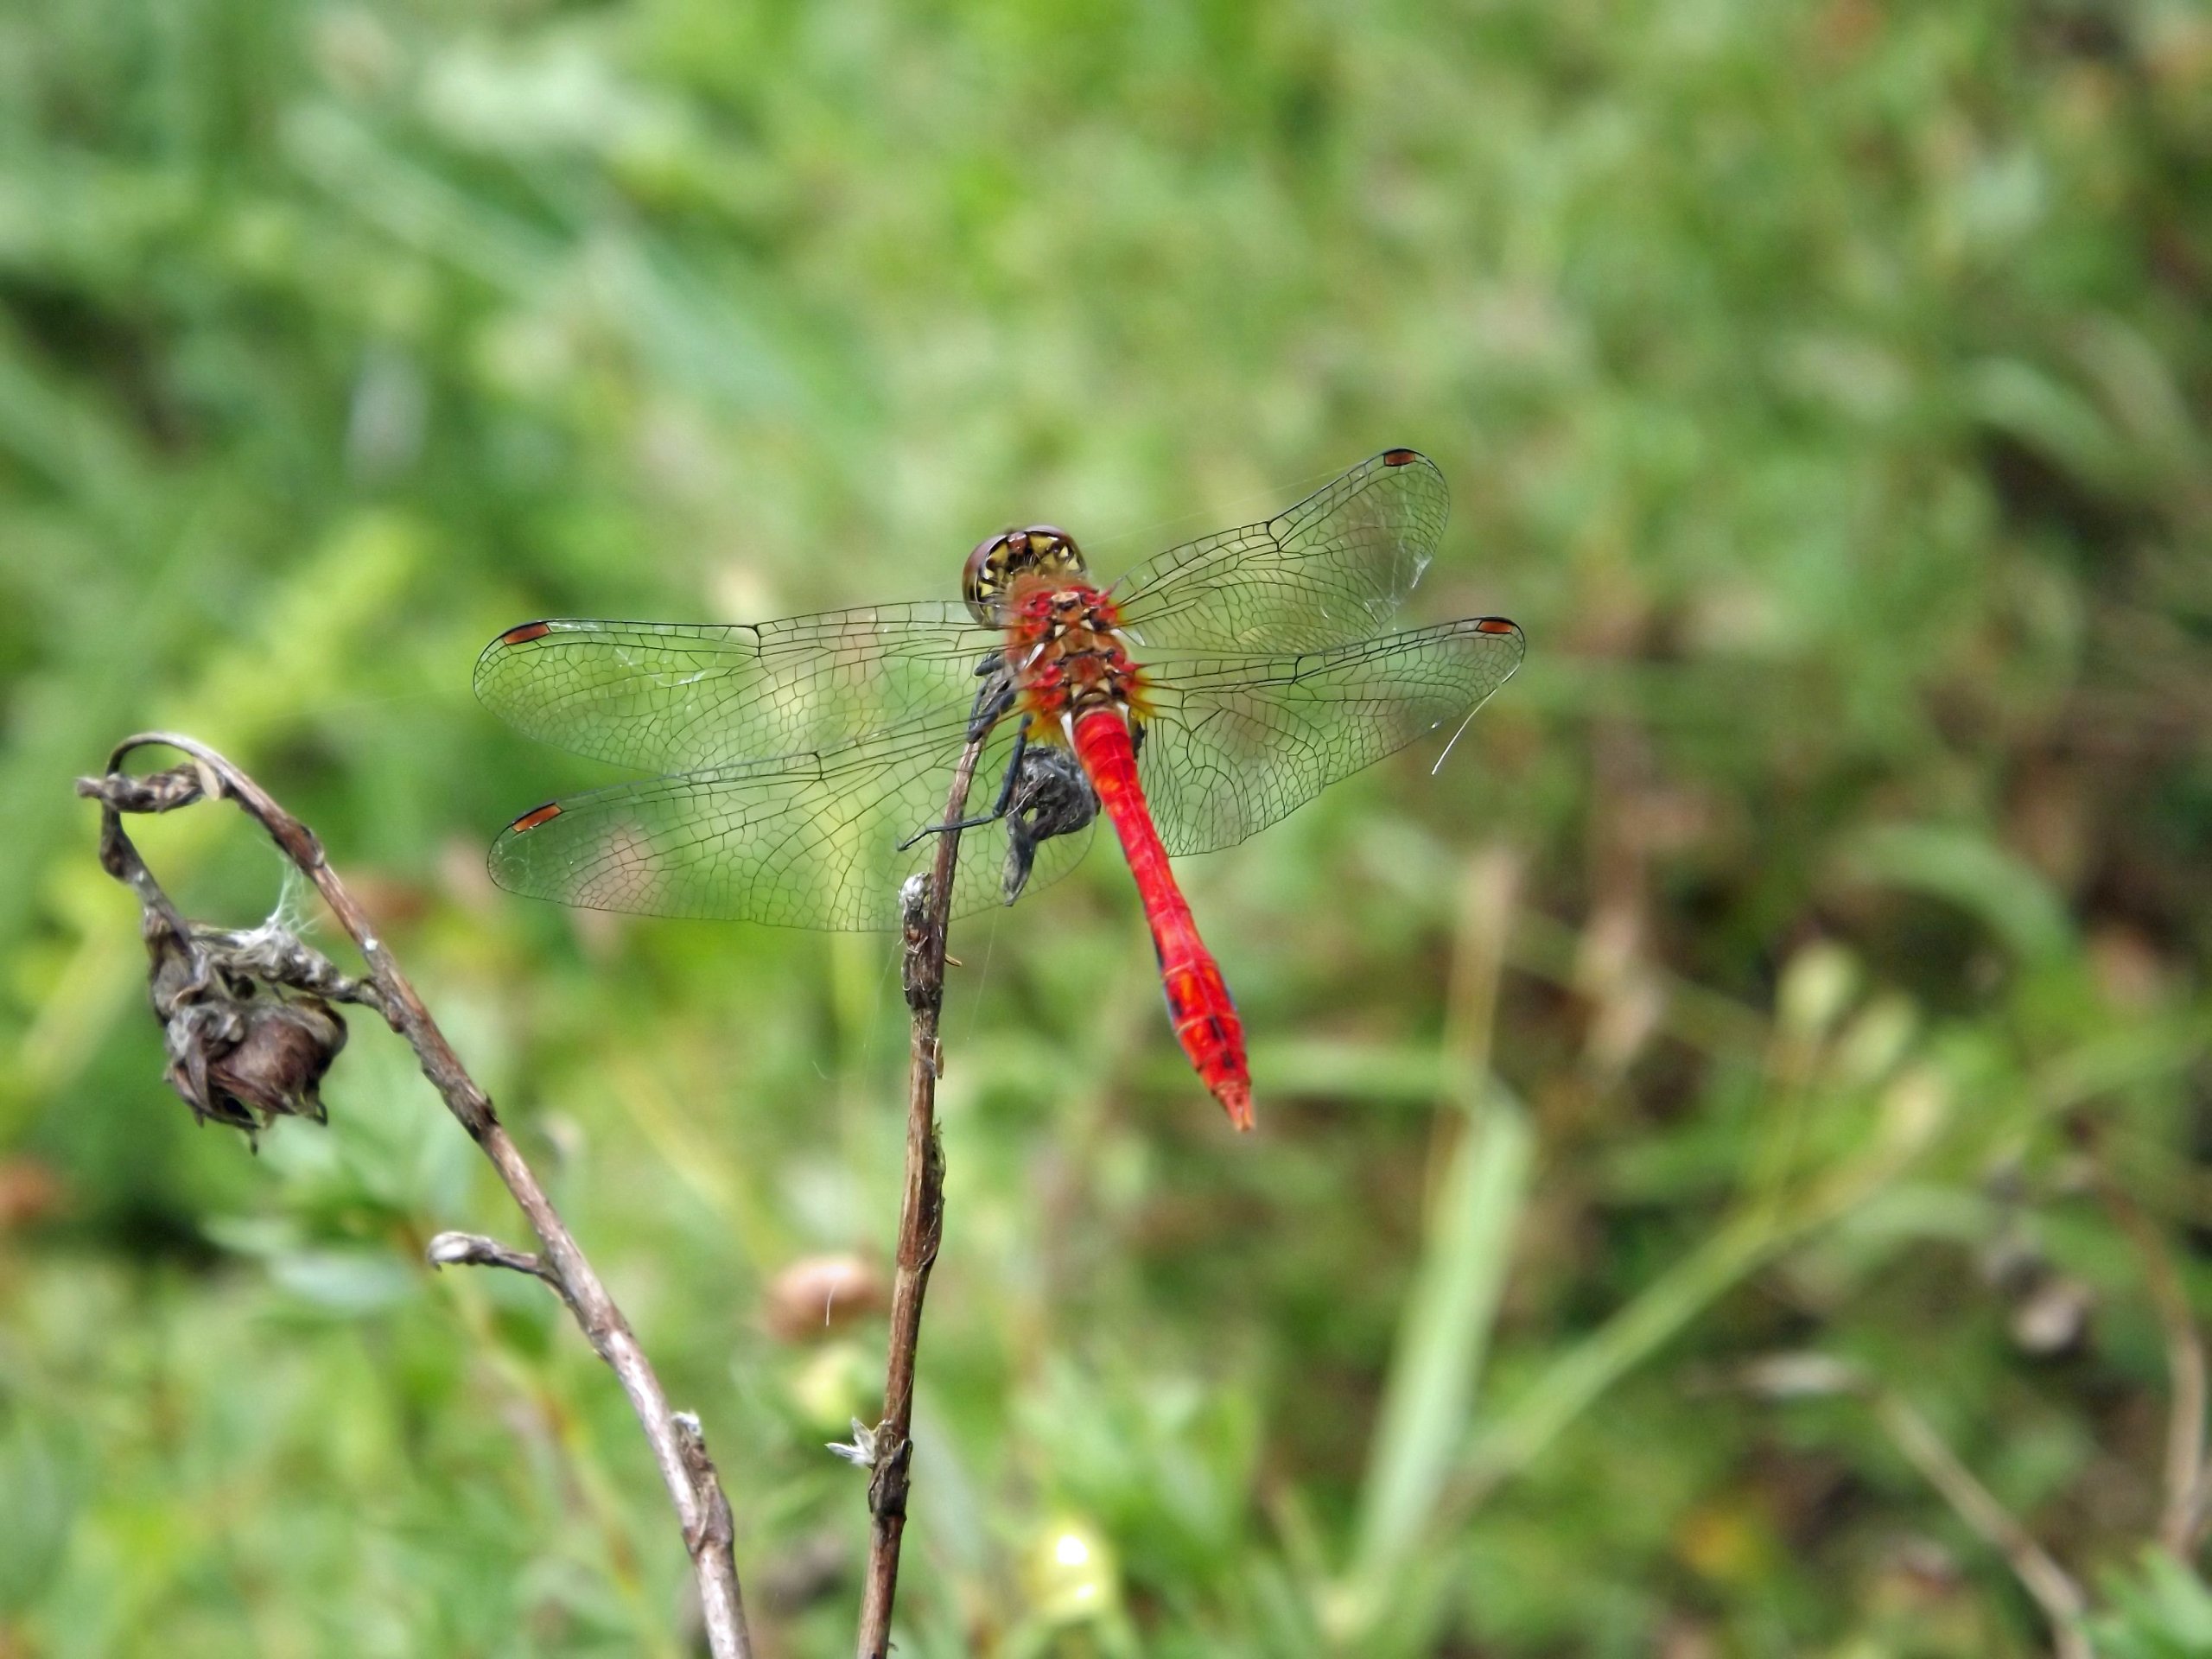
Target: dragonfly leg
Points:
(998, 807)
(994, 698)
(1013, 772)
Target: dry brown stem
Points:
(2187, 1478)
(889, 1449)
(677, 1446)
(1786, 1377)
(2052, 1587)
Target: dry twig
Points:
(2052, 1586)
(2188, 1478)
(238, 1067)
(1783, 1377)
(886, 1451)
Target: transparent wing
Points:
(1238, 742)
(1329, 571)
(800, 752)
(671, 696)
(667, 696)
(798, 841)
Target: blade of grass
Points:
(1443, 1336)
(1912, 1113)
(2015, 903)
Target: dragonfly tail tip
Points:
(1236, 1097)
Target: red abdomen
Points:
(1197, 1000)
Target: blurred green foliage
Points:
(1778, 966)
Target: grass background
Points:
(1792, 960)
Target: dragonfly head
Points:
(995, 565)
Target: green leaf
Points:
(1973, 873)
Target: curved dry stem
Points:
(678, 1447)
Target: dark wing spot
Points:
(1496, 624)
(1400, 457)
(531, 819)
(526, 634)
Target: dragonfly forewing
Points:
(665, 697)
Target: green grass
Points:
(1824, 388)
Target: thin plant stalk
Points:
(928, 904)
(2052, 1588)
(2186, 1474)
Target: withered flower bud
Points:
(245, 1048)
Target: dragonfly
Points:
(799, 766)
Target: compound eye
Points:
(983, 582)
(1053, 551)
(993, 568)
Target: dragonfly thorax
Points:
(1064, 650)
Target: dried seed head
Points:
(276, 1069)
(244, 1049)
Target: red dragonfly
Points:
(801, 762)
